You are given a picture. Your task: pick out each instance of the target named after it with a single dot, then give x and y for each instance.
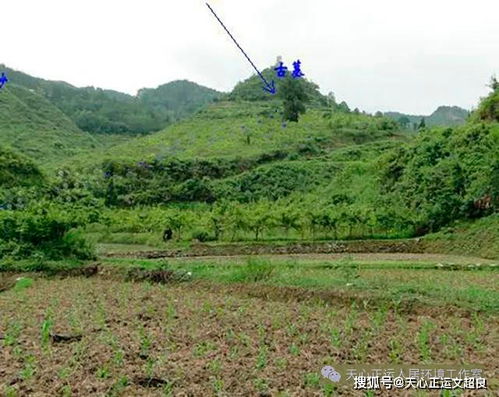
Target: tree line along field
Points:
(75, 320)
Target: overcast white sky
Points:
(409, 56)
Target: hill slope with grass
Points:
(241, 150)
(246, 129)
(248, 122)
(236, 171)
(33, 126)
(332, 174)
(178, 98)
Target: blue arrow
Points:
(269, 87)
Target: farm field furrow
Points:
(239, 332)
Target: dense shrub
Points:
(17, 170)
(446, 174)
(489, 106)
(201, 235)
(45, 229)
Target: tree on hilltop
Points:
(294, 96)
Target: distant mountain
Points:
(178, 98)
(96, 110)
(447, 116)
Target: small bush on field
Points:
(73, 245)
(255, 270)
(163, 274)
(202, 236)
(349, 270)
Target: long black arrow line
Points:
(269, 87)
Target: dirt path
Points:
(362, 257)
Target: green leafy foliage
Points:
(446, 174)
(489, 106)
(17, 170)
(251, 89)
(234, 171)
(274, 181)
(44, 229)
(294, 95)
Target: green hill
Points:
(333, 172)
(177, 98)
(93, 109)
(97, 110)
(448, 116)
(246, 123)
(251, 89)
(235, 148)
(33, 126)
(245, 129)
(235, 170)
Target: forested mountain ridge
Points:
(97, 110)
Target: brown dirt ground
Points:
(208, 339)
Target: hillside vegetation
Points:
(245, 129)
(236, 171)
(97, 110)
(33, 126)
(479, 238)
(178, 98)
(333, 174)
(17, 170)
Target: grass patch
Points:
(398, 283)
(468, 238)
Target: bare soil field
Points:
(93, 336)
